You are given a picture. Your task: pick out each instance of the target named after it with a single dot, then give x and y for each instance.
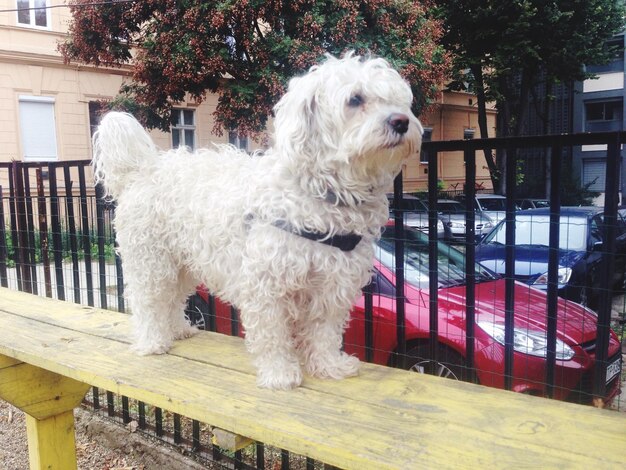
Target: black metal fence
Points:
(57, 240)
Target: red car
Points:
(576, 326)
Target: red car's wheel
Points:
(449, 363)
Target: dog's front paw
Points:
(186, 331)
(283, 376)
(148, 349)
(333, 366)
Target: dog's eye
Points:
(355, 101)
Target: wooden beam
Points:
(48, 399)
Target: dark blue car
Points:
(580, 251)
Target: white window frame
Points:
(52, 135)
(182, 127)
(240, 141)
(32, 9)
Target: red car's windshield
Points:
(450, 262)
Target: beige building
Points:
(48, 109)
(451, 118)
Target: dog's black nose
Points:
(399, 123)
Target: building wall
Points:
(31, 66)
(589, 161)
(454, 113)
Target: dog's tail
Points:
(121, 149)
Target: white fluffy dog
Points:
(286, 236)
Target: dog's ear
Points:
(296, 122)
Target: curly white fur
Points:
(183, 218)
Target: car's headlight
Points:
(532, 342)
(457, 225)
(563, 275)
(487, 225)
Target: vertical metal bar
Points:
(96, 398)
(4, 278)
(119, 272)
(310, 463)
(178, 437)
(71, 225)
(21, 249)
(216, 453)
(509, 287)
(195, 435)
(86, 241)
(260, 455)
(13, 219)
(212, 326)
(284, 459)
(238, 464)
(110, 404)
(30, 230)
(369, 322)
(125, 410)
(234, 321)
(433, 247)
(141, 411)
(399, 271)
(607, 266)
(43, 233)
(57, 242)
(158, 421)
(470, 260)
(553, 262)
(100, 228)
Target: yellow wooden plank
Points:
(228, 440)
(39, 392)
(51, 442)
(383, 419)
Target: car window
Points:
(380, 285)
(450, 207)
(414, 205)
(495, 204)
(450, 262)
(535, 230)
(597, 224)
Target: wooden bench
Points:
(52, 351)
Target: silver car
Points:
(453, 215)
(415, 213)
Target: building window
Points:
(594, 174)
(183, 128)
(38, 128)
(603, 116)
(238, 140)
(426, 137)
(96, 111)
(33, 13)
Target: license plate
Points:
(613, 369)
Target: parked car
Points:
(580, 251)
(576, 331)
(453, 215)
(493, 205)
(415, 213)
(532, 203)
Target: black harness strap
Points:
(343, 242)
